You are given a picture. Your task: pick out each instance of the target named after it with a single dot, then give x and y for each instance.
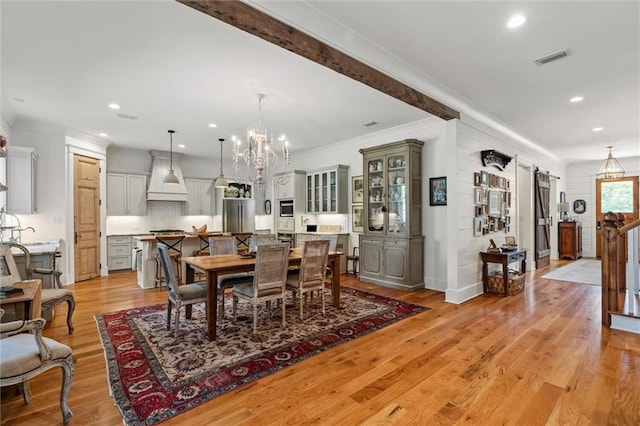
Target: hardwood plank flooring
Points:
(541, 357)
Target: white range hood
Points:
(158, 190)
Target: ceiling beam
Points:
(253, 21)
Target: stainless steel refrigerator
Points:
(238, 215)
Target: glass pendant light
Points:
(171, 178)
(221, 182)
(611, 168)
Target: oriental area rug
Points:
(154, 376)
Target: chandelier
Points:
(258, 153)
(610, 169)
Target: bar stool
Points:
(355, 257)
(174, 245)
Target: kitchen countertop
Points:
(42, 247)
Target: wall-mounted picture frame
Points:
(477, 226)
(438, 191)
(477, 196)
(477, 179)
(494, 203)
(579, 206)
(356, 215)
(267, 207)
(357, 189)
(484, 178)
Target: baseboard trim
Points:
(625, 323)
(461, 295)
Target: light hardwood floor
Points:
(538, 358)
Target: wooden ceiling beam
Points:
(253, 21)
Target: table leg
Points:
(212, 304)
(505, 276)
(335, 284)
(485, 276)
(188, 274)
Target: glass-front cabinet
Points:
(327, 190)
(391, 246)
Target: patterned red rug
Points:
(154, 376)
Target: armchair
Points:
(51, 297)
(26, 355)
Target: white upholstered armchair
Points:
(24, 353)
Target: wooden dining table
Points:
(213, 266)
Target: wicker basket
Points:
(495, 283)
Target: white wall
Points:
(581, 184)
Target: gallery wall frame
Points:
(438, 191)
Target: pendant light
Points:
(221, 182)
(611, 168)
(171, 178)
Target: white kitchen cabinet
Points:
(200, 197)
(327, 190)
(21, 180)
(126, 195)
(119, 252)
(285, 184)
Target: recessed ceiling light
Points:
(181, 145)
(576, 99)
(114, 106)
(597, 129)
(516, 21)
(213, 125)
(103, 135)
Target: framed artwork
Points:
(484, 178)
(477, 196)
(494, 203)
(267, 207)
(477, 226)
(438, 191)
(357, 189)
(579, 206)
(356, 213)
(477, 179)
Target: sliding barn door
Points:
(542, 219)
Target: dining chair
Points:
(313, 270)
(226, 245)
(178, 295)
(259, 239)
(354, 259)
(333, 246)
(269, 280)
(49, 297)
(26, 353)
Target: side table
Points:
(504, 258)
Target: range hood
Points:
(158, 190)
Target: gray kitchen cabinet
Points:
(327, 190)
(119, 252)
(21, 180)
(126, 194)
(289, 185)
(392, 244)
(200, 197)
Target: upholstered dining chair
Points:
(226, 245)
(50, 297)
(25, 354)
(313, 270)
(269, 280)
(178, 295)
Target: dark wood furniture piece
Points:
(503, 258)
(570, 240)
(234, 263)
(23, 306)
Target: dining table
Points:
(214, 266)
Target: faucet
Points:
(13, 229)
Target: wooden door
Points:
(618, 196)
(542, 219)
(86, 217)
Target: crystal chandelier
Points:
(258, 154)
(610, 169)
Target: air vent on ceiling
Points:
(127, 116)
(369, 124)
(553, 57)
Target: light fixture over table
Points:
(221, 182)
(259, 152)
(171, 178)
(611, 168)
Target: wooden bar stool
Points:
(174, 245)
(355, 258)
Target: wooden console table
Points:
(23, 306)
(504, 258)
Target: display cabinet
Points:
(327, 190)
(391, 247)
